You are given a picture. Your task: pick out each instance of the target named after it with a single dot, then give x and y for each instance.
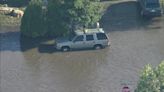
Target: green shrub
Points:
(160, 75)
(56, 25)
(151, 80)
(32, 23)
(64, 15)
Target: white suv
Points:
(91, 38)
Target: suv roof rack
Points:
(89, 31)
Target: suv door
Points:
(90, 42)
(78, 42)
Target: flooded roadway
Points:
(135, 42)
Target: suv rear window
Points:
(101, 36)
(152, 5)
(89, 37)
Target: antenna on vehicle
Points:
(98, 25)
(84, 30)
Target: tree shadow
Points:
(9, 41)
(46, 48)
(124, 16)
(14, 41)
(41, 43)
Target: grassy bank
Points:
(6, 20)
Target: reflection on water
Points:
(66, 71)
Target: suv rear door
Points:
(89, 40)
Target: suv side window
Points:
(101, 36)
(79, 38)
(89, 37)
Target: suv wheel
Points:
(97, 47)
(65, 49)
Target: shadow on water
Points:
(46, 48)
(40, 43)
(13, 41)
(124, 16)
(9, 41)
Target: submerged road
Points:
(135, 42)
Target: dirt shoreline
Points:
(5, 29)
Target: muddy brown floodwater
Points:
(26, 67)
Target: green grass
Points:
(6, 20)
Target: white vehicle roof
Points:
(89, 31)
